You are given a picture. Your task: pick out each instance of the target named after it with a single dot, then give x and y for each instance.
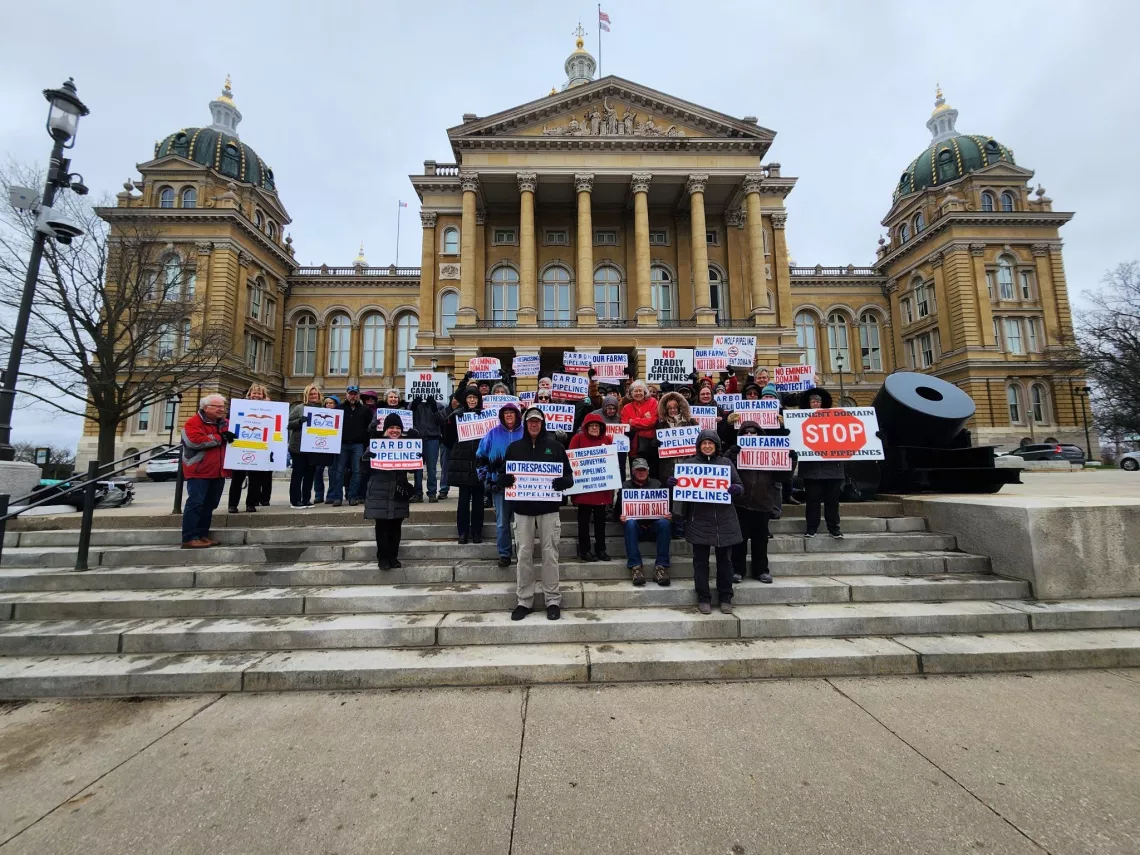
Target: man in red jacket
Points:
(204, 439)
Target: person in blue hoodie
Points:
(490, 458)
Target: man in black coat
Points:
(353, 442)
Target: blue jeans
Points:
(349, 461)
(431, 458)
(444, 456)
(638, 530)
(503, 516)
(202, 496)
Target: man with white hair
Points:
(204, 439)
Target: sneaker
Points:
(354, 501)
(337, 503)
(233, 510)
(704, 608)
(462, 539)
(809, 534)
(383, 564)
(638, 576)
(766, 578)
(586, 556)
(737, 578)
(520, 612)
(661, 576)
(553, 613)
(395, 562)
(443, 494)
(301, 507)
(415, 499)
(196, 543)
(725, 608)
(432, 500)
(504, 561)
(476, 538)
(837, 534)
(603, 555)
(252, 509)
(771, 536)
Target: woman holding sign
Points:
(672, 412)
(462, 471)
(823, 479)
(260, 482)
(301, 480)
(387, 501)
(592, 505)
(641, 416)
(754, 507)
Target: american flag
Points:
(403, 204)
(603, 20)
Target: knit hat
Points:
(393, 420)
(769, 391)
(610, 401)
(638, 463)
(333, 398)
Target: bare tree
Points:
(1109, 338)
(116, 324)
(26, 453)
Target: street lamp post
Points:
(176, 399)
(1083, 393)
(62, 123)
(839, 365)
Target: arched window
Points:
(305, 346)
(718, 294)
(904, 233)
(166, 197)
(1013, 396)
(448, 308)
(837, 342)
(904, 183)
(607, 293)
(806, 338)
(189, 198)
(661, 282)
(1005, 277)
(231, 160)
(869, 342)
(259, 219)
(181, 145)
(340, 344)
(923, 300)
(373, 341)
(919, 223)
(504, 300)
(987, 201)
(407, 328)
(269, 185)
(1038, 401)
(451, 241)
(556, 294)
(1007, 201)
(946, 168)
(271, 230)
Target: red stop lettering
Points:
(835, 433)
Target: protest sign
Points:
(702, 482)
(383, 412)
(525, 365)
(484, 368)
(610, 366)
(619, 436)
(427, 384)
(835, 434)
(494, 403)
(645, 504)
(727, 400)
(397, 454)
(532, 481)
(558, 416)
(569, 387)
(706, 416)
(765, 413)
(576, 362)
(532, 469)
(764, 452)
(741, 349)
(668, 364)
(261, 443)
(594, 469)
(527, 398)
(710, 359)
(470, 426)
(320, 431)
(794, 378)
(678, 442)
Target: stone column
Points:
(701, 294)
(639, 183)
(467, 315)
(780, 269)
(427, 276)
(322, 360)
(241, 301)
(390, 346)
(528, 274)
(587, 314)
(985, 307)
(945, 329)
(754, 222)
(355, 351)
(1046, 293)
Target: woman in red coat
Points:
(641, 416)
(591, 435)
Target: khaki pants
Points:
(548, 527)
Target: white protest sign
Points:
(794, 378)
(558, 416)
(533, 469)
(727, 400)
(645, 504)
(765, 413)
(710, 358)
(619, 436)
(835, 434)
(484, 368)
(741, 349)
(594, 469)
(532, 481)
(427, 384)
(678, 442)
(527, 398)
(569, 387)
(576, 362)
(525, 365)
(397, 454)
(383, 412)
(610, 366)
(320, 432)
(260, 428)
(702, 482)
(764, 452)
(668, 364)
(494, 403)
(471, 426)
(706, 416)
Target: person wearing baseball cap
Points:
(639, 530)
(344, 477)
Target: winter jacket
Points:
(758, 494)
(203, 448)
(543, 448)
(707, 523)
(461, 468)
(684, 419)
(427, 418)
(820, 470)
(492, 449)
(615, 419)
(630, 484)
(583, 440)
(296, 419)
(642, 420)
(356, 421)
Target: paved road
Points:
(1011, 764)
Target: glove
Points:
(229, 436)
(505, 481)
(561, 435)
(735, 490)
(670, 481)
(562, 483)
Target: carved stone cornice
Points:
(735, 218)
(753, 183)
(469, 181)
(696, 183)
(977, 249)
(779, 220)
(1040, 249)
(936, 260)
(244, 258)
(204, 247)
(584, 182)
(427, 219)
(528, 181)
(639, 181)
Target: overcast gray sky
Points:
(343, 100)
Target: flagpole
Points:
(399, 210)
(599, 41)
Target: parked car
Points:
(1051, 451)
(1130, 461)
(164, 467)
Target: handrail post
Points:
(88, 515)
(3, 522)
(178, 483)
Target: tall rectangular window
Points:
(251, 352)
(991, 279)
(1026, 285)
(907, 313)
(255, 303)
(911, 354)
(920, 301)
(1034, 334)
(142, 420)
(305, 348)
(926, 349)
(169, 414)
(1013, 342)
(997, 333)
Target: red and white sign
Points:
(706, 416)
(710, 359)
(741, 349)
(610, 366)
(835, 434)
(471, 426)
(668, 364)
(703, 482)
(576, 362)
(619, 434)
(794, 378)
(645, 504)
(485, 368)
(569, 387)
(558, 416)
(764, 452)
(764, 412)
(679, 441)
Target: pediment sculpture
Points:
(606, 122)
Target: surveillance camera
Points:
(22, 198)
(55, 224)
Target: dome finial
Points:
(227, 95)
(360, 260)
(940, 105)
(580, 34)
(941, 121)
(580, 66)
(224, 112)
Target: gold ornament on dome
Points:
(606, 122)
(227, 95)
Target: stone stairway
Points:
(294, 601)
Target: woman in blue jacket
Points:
(490, 458)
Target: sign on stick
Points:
(397, 454)
(702, 482)
(835, 434)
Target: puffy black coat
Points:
(356, 421)
(461, 467)
(707, 523)
(758, 494)
(381, 502)
(427, 417)
(820, 470)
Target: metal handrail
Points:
(130, 457)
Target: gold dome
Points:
(940, 105)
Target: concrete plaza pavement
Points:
(1048, 762)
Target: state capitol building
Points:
(611, 217)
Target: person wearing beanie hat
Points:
(387, 500)
(637, 530)
(769, 391)
(462, 470)
(323, 462)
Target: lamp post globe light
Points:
(64, 112)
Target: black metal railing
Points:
(495, 325)
(559, 324)
(616, 323)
